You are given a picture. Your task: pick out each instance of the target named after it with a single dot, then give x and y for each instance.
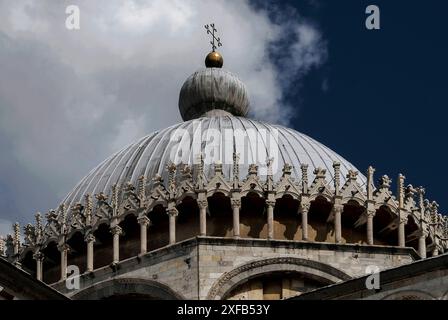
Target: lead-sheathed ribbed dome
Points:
(151, 154)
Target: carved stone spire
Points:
(114, 200)
(269, 178)
(62, 219)
(434, 208)
(384, 182)
(200, 177)
(39, 226)
(16, 238)
(186, 172)
(400, 190)
(269, 164)
(29, 233)
(218, 168)
(304, 168)
(352, 175)
(253, 170)
(88, 209)
(409, 195)
(320, 173)
(337, 177)
(236, 170)
(171, 167)
(2, 247)
(287, 170)
(141, 185)
(78, 217)
(421, 202)
(370, 186)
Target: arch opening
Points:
(51, 263)
(253, 222)
(287, 221)
(77, 255)
(188, 219)
(219, 221)
(318, 228)
(350, 232)
(130, 239)
(158, 231)
(385, 232)
(103, 246)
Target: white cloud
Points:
(70, 98)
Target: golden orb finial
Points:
(214, 60)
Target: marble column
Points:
(401, 232)
(39, 257)
(202, 217)
(144, 224)
(116, 232)
(435, 251)
(370, 214)
(304, 209)
(422, 245)
(337, 210)
(270, 215)
(172, 213)
(90, 239)
(63, 249)
(236, 205)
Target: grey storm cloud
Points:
(69, 98)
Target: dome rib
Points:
(138, 171)
(106, 163)
(150, 154)
(106, 175)
(150, 164)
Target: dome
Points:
(213, 91)
(183, 142)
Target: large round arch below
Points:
(310, 268)
(123, 288)
(409, 295)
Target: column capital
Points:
(38, 256)
(304, 207)
(202, 204)
(89, 237)
(63, 247)
(337, 208)
(116, 230)
(235, 203)
(144, 221)
(403, 220)
(370, 212)
(173, 212)
(423, 233)
(270, 203)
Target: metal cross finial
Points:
(211, 30)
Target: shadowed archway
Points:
(317, 271)
(127, 289)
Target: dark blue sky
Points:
(387, 89)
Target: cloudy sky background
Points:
(68, 99)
